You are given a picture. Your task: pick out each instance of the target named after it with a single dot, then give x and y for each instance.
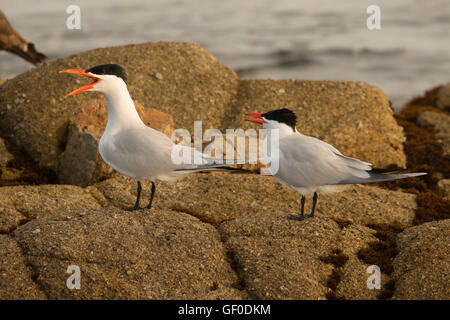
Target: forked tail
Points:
(380, 175)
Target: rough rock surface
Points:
(192, 85)
(355, 117)
(280, 258)
(128, 255)
(421, 269)
(21, 203)
(217, 197)
(443, 188)
(80, 163)
(15, 276)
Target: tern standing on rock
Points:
(127, 144)
(309, 166)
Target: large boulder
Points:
(181, 79)
(354, 117)
(80, 163)
(174, 251)
(157, 254)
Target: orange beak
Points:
(81, 72)
(260, 120)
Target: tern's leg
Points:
(151, 196)
(301, 215)
(314, 205)
(302, 208)
(136, 205)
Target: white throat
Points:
(283, 129)
(122, 113)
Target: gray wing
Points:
(307, 161)
(147, 153)
(139, 153)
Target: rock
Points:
(443, 188)
(80, 163)
(218, 197)
(353, 284)
(421, 269)
(16, 278)
(438, 121)
(19, 204)
(6, 173)
(280, 258)
(194, 86)
(443, 97)
(353, 275)
(211, 197)
(15, 168)
(10, 219)
(173, 251)
(353, 116)
(157, 254)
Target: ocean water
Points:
(283, 39)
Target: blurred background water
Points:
(282, 39)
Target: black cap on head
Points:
(111, 69)
(284, 115)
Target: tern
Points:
(127, 144)
(12, 41)
(308, 165)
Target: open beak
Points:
(260, 120)
(81, 72)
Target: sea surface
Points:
(278, 39)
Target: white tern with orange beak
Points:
(127, 144)
(309, 165)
